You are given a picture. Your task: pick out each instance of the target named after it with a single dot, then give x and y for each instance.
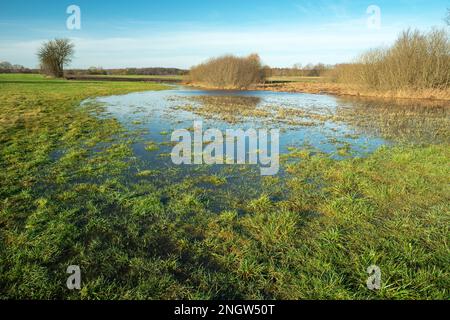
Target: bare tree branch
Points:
(54, 55)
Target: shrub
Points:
(229, 72)
(417, 60)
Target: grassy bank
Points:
(66, 200)
(128, 78)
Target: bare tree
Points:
(54, 55)
(447, 19)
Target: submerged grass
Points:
(66, 200)
(398, 120)
(232, 109)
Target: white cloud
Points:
(280, 46)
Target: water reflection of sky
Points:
(156, 114)
(154, 111)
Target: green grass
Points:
(6, 78)
(37, 77)
(65, 198)
(166, 77)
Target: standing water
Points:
(339, 127)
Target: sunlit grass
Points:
(67, 199)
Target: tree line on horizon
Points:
(153, 71)
(417, 60)
(7, 67)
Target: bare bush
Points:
(54, 55)
(230, 72)
(417, 60)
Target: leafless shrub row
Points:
(417, 60)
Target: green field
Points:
(37, 77)
(165, 77)
(186, 78)
(178, 78)
(65, 198)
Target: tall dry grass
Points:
(416, 61)
(229, 72)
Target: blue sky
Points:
(138, 33)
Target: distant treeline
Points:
(128, 71)
(6, 67)
(309, 70)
